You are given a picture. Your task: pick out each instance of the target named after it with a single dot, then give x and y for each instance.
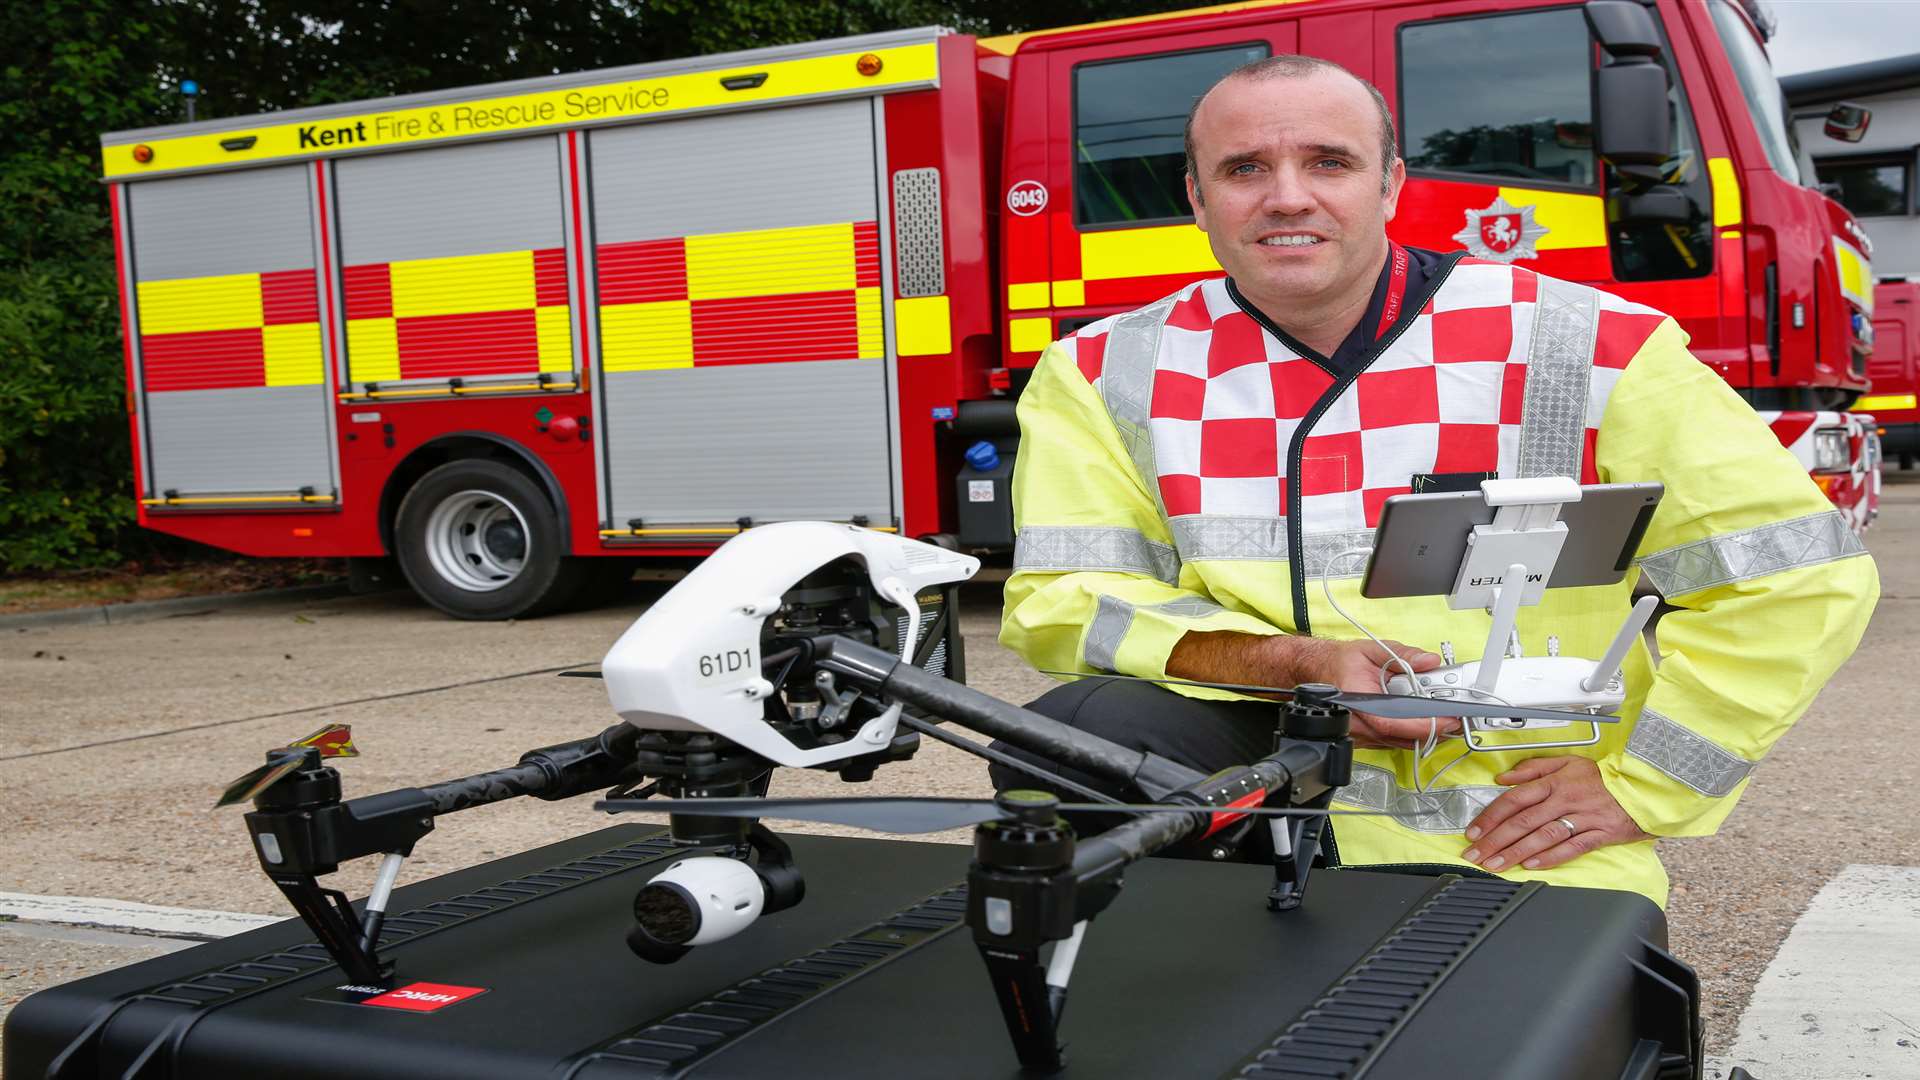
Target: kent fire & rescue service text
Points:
(532, 111)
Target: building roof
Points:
(1854, 80)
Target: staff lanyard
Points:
(1396, 289)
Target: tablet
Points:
(1422, 539)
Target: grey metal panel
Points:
(222, 223)
(627, 73)
(581, 294)
(767, 441)
(262, 438)
(916, 208)
(678, 178)
(888, 288)
(332, 324)
(452, 200)
(130, 305)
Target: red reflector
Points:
(1827, 482)
(1000, 379)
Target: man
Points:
(1193, 474)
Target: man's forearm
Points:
(1281, 660)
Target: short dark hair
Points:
(1294, 66)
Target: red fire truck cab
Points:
(1895, 369)
(517, 335)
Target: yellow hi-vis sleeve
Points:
(1773, 588)
(1096, 584)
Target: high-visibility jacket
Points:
(1181, 469)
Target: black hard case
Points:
(874, 975)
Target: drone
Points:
(832, 647)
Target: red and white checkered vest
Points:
(1502, 371)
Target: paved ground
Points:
(114, 741)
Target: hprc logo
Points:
(424, 996)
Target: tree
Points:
(77, 68)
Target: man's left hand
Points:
(1558, 808)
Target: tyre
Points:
(479, 539)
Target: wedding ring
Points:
(1569, 824)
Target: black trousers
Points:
(1203, 735)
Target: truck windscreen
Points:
(1761, 89)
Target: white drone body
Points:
(692, 662)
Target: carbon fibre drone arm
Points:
(301, 828)
(884, 674)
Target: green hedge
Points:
(77, 68)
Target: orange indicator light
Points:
(303, 532)
(143, 153)
(868, 64)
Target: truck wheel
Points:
(479, 540)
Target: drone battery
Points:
(518, 968)
(937, 646)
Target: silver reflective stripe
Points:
(1553, 415)
(1094, 547)
(1442, 810)
(1686, 755)
(1218, 536)
(1751, 553)
(1322, 553)
(1126, 383)
(1113, 617)
(1109, 627)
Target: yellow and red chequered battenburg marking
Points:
(503, 313)
(805, 293)
(231, 331)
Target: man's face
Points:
(1288, 171)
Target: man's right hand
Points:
(1355, 666)
(1284, 660)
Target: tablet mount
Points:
(1507, 566)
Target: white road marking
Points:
(87, 935)
(1841, 1000)
(125, 915)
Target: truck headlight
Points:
(1830, 450)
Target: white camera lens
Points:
(699, 901)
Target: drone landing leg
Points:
(1020, 983)
(1293, 858)
(327, 913)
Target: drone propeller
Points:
(1391, 706)
(334, 740)
(909, 815)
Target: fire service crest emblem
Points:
(1502, 232)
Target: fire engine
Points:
(517, 335)
(1895, 368)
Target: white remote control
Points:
(1550, 682)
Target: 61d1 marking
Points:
(730, 662)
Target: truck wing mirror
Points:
(1630, 95)
(1623, 28)
(1848, 122)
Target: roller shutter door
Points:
(231, 368)
(453, 264)
(737, 263)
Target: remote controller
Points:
(1552, 682)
